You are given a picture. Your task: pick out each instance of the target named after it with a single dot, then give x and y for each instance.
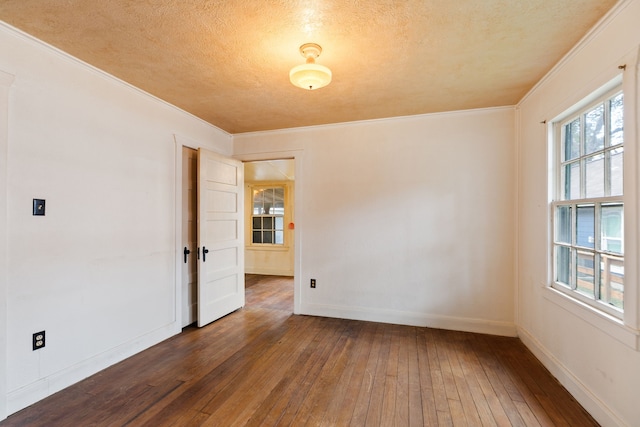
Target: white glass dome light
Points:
(310, 76)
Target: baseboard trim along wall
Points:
(268, 271)
(481, 326)
(32, 393)
(598, 409)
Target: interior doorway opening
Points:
(269, 224)
(269, 217)
(189, 233)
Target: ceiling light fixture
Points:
(310, 75)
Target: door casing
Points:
(298, 156)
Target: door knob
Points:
(186, 253)
(205, 251)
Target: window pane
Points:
(278, 202)
(584, 279)
(563, 265)
(612, 281)
(267, 237)
(617, 122)
(585, 226)
(571, 140)
(571, 181)
(267, 223)
(563, 224)
(257, 237)
(612, 234)
(594, 170)
(278, 194)
(616, 171)
(279, 237)
(279, 223)
(257, 223)
(257, 202)
(594, 129)
(268, 201)
(268, 195)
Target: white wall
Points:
(97, 273)
(6, 80)
(595, 358)
(406, 220)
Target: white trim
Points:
(473, 111)
(177, 231)
(610, 325)
(516, 235)
(585, 396)
(6, 80)
(44, 387)
(268, 271)
(269, 247)
(605, 83)
(631, 86)
(481, 326)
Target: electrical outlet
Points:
(313, 283)
(38, 340)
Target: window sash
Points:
(586, 263)
(267, 215)
(575, 158)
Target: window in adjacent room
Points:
(267, 216)
(588, 208)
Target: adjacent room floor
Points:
(264, 366)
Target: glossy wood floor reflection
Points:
(264, 366)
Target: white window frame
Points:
(251, 187)
(627, 328)
(558, 125)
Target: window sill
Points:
(273, 248)
(610, 325)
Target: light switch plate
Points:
(38, 207)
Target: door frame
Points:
(181, 141)
(6, 80)
(181, 241)
(298, 157)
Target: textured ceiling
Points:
(228, 61)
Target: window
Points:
(588, 207)
(267, 217)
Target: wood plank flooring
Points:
(263, 366)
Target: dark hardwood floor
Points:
(264, 366)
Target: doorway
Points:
(189, 280)
(269, 217)
(271, 256)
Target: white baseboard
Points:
(21, 398)
(598, 409)
(412, 319)
(268, 271)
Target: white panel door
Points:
(220, 236)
